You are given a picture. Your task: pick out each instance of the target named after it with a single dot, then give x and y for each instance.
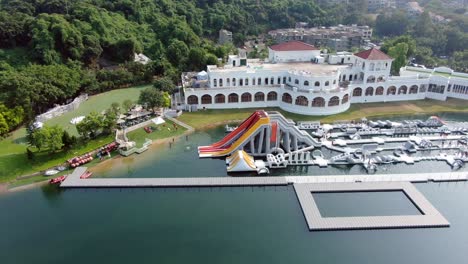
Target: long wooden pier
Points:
(74, 180)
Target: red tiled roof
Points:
(293, 46)
(372, 54)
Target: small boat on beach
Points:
(86, 175)
(58, 179)
(51, 172)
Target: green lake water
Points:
(217, 225)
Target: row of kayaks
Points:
(60, 179)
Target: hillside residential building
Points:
(372, 5)
(413, 9)
(224, 37)
(298, 79)
(340, 38)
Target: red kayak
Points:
(58, 179)
(86, 175)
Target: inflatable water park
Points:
(268, 140)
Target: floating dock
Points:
(304, 187)
(429, 216)
(74, 180)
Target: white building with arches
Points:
(294, 83)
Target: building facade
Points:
(224, 37)
(340, 38)
(309, 88)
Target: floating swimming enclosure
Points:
(429, 217)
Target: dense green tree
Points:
(423, 26)
(37, 87)
(459, 60)
(46, 138)
(423, 55)
(4, 129)
(166, 102)
(196, 59)
(456, 40)
(54, 142)
(177, 52)
(109, 121)
(90, 126)
(127, 105)
(211, 59)
(152, 98)
(124, 49)
(29, 154)
(67, 140)
(114, 109)
(399, 53)
(410, 41)
(391, 24)
(92, 50)
(164, 84)
(13, 116)
(112, 79)
(14, 29)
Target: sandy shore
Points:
(118, 159)
(3, 188)
(26, 187)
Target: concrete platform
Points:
(429, 217)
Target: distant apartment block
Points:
(413, 9)
(340, 37)
(334, 2)
(376, 5)
(401, 4)
(224, 37)
(372, 5)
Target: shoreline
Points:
(4, 187)
(216, 124)
(157, 144)
(26, 186)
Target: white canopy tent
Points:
(158, 120)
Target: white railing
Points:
(62, 109)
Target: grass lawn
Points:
(97, 103)
(204, 118)
(16, 163)
(444, 74)
(15, 143)
(140, 134)
(13, 160)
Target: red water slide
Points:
(227, 140)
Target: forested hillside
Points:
(52, 50)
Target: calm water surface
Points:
(214, 225)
